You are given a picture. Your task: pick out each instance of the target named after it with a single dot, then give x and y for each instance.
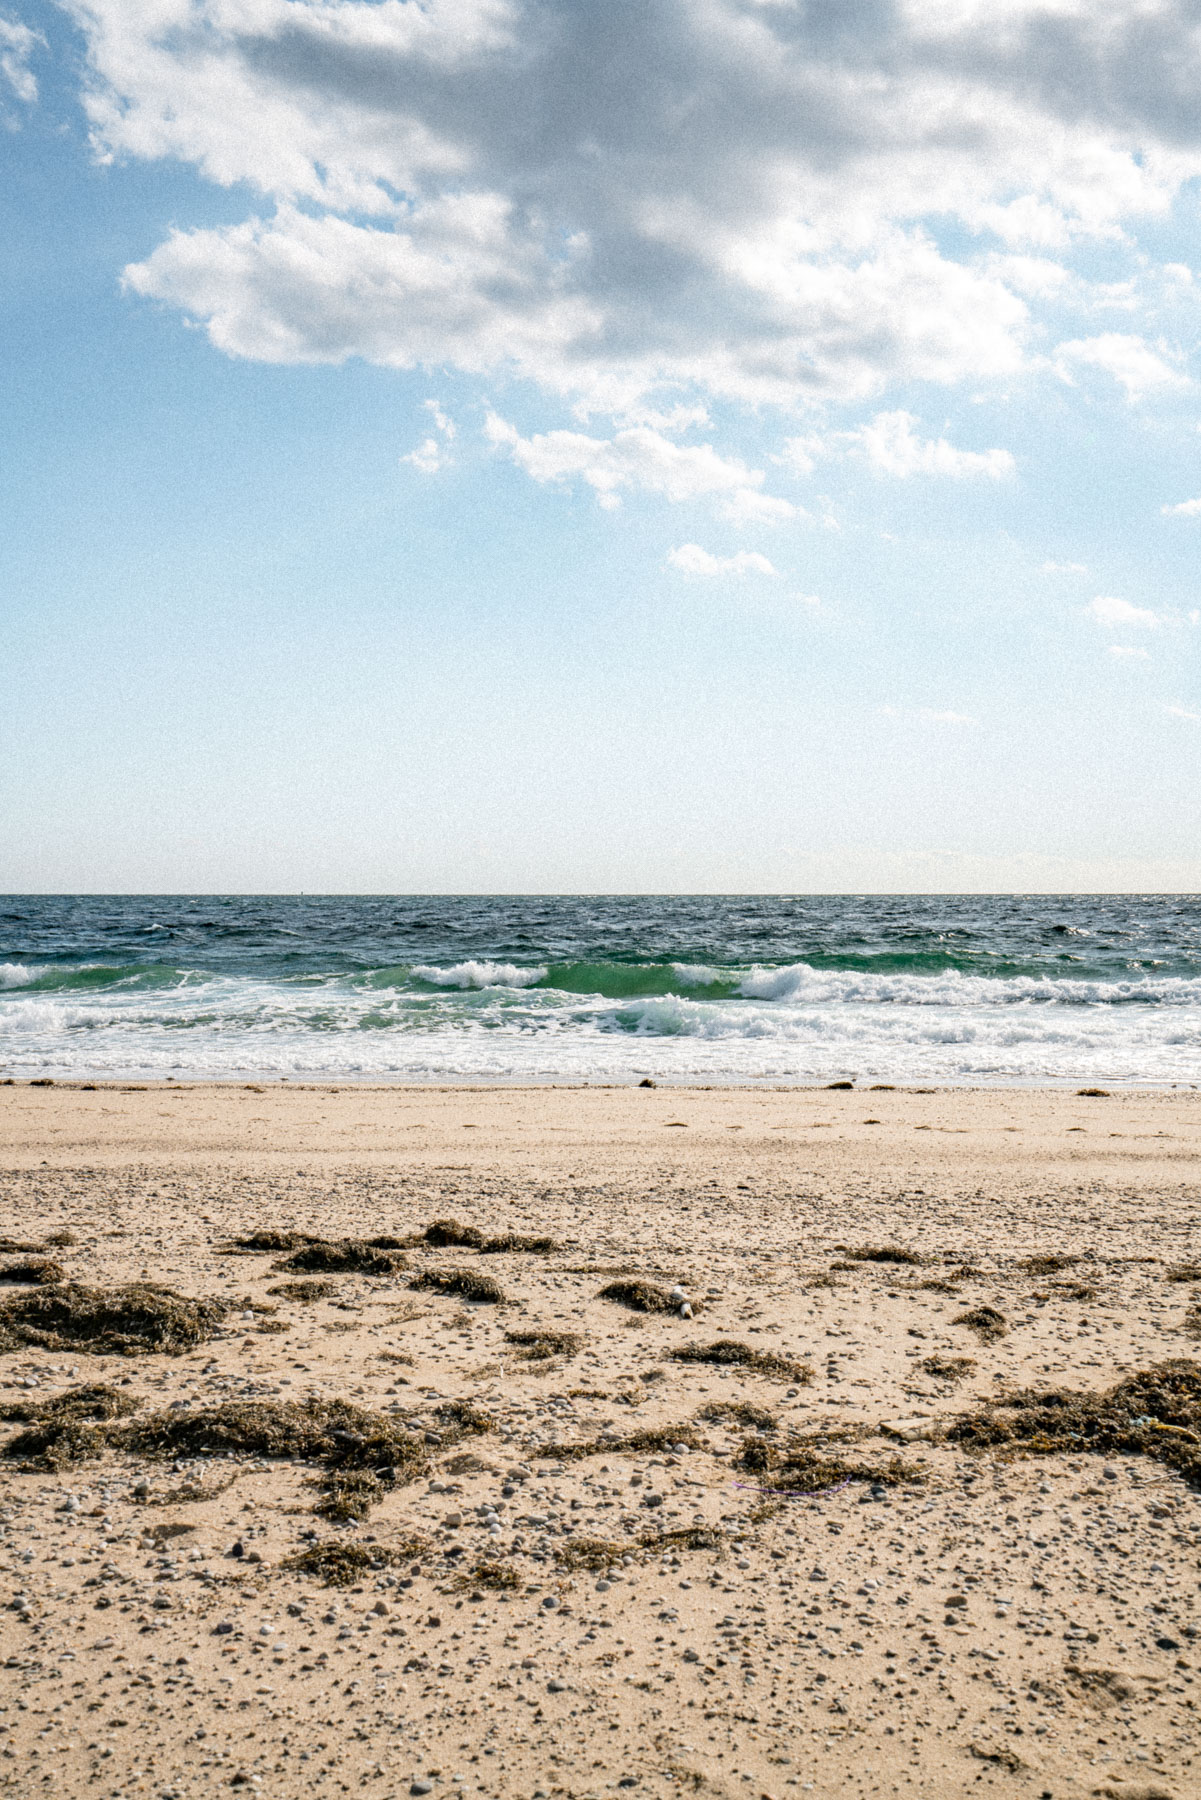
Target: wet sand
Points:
(1022, 1626)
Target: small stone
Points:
(1166, 1643)
(380, 1607)
(421, 1787)
(556, 1687)
(223, 1629)
(550, 1603)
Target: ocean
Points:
(703, 989)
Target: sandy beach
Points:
(587, 1564)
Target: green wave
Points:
(90, 977)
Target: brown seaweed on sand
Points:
(659, 1437)
(36, 1271)
(728, 1353)
(451, 1234)
(543, 1344)
(68, 1428)
(338, 1564)
(809, 1468)
(342, 1256)
(1051, 1264)
(948, 1368)
(1156, 1413)
(882, 1253)
(136, 1320)
(640, 1296)
(595, 1554)
(500, 1577)
(463, 1282)
(305, 1291)
(987, 1323)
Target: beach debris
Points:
(1093, 1094)
(35, 1271)
(590, 1554)
(880, 1253)
(258, 1242)
(342, 1256)
(1155, 1413)
(660, 1437)
(543, 1344)
(135, 1320)
(305, 1291)
(948, 1368)
(912, 1431)
(640, 1296)
(987, 1323)
(67, 1428)
(339, 1564)
(499, 1577)
(451, 1234)
(54, 1240)
(1050, 1264)
(744, 1411)
(463, 1282)
(809, 1467)
(729, 1353)
(1183, 1272)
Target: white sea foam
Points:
(695, 974)
(19, 975)
(478, 975)
(952, 987)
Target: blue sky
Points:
(514, 445)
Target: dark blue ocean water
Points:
(776, 989)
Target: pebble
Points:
(556, 1687)
(550, 1603)
(421, 1787)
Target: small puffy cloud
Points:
(1112, 613)
(1182, 712)
(1130, 360)
(642, 460)
(1183, 509)
(892, 447)
(690, 559)
(433, 454)
(928, 715)
(1128, 652)
(17, 46)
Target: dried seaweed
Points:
(516, 1242)
(36, 1271)
(987, 1323)
(1051, 1264)
(595, 1554)
(140, 1319)
(1156, 1413)
(258, 1242)
(809, 1468)
(446, 1234)
(640, 1296)
(948, 1368)
(338, 1564)
(22, 1247)
(305, 1291)
(1183, 1272)
(66, 1429)
(499, 1577)
(881, 1253)
(659, 1437)
(542, 1345)
(688, 1537)
(727, 1353)
(342, 1256)
(741, 1410)
(463, 1282)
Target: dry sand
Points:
(1020, 1626)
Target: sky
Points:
(546, 446)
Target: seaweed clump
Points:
(305, 1291)
(1156, 1413)
(498, 1576)
(882, 1253)
(446, 1234)
(340, 1565)
(1183, 1272)
(1051, 1264)
(68, 1428)
(140, 1319)
(258, 1242)
(987, 1323)
(591, 1554)
(948, 1368)
(463, 1282)
(543, 1344)
(741, 1410)
(640, 1296)
(37, 1271)
(728, 1353)
(656, 1437)
(342, 1256)
(809, 1469)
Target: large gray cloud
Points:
(744, 197)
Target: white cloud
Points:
(1182, 712)
(640, 459)
(627, 203)
(434, 453)
(1112, 613)
(690, 559)
(1129, 359)
(17, 46)
(892, 447)
(1183, 509)
(1129, 651)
